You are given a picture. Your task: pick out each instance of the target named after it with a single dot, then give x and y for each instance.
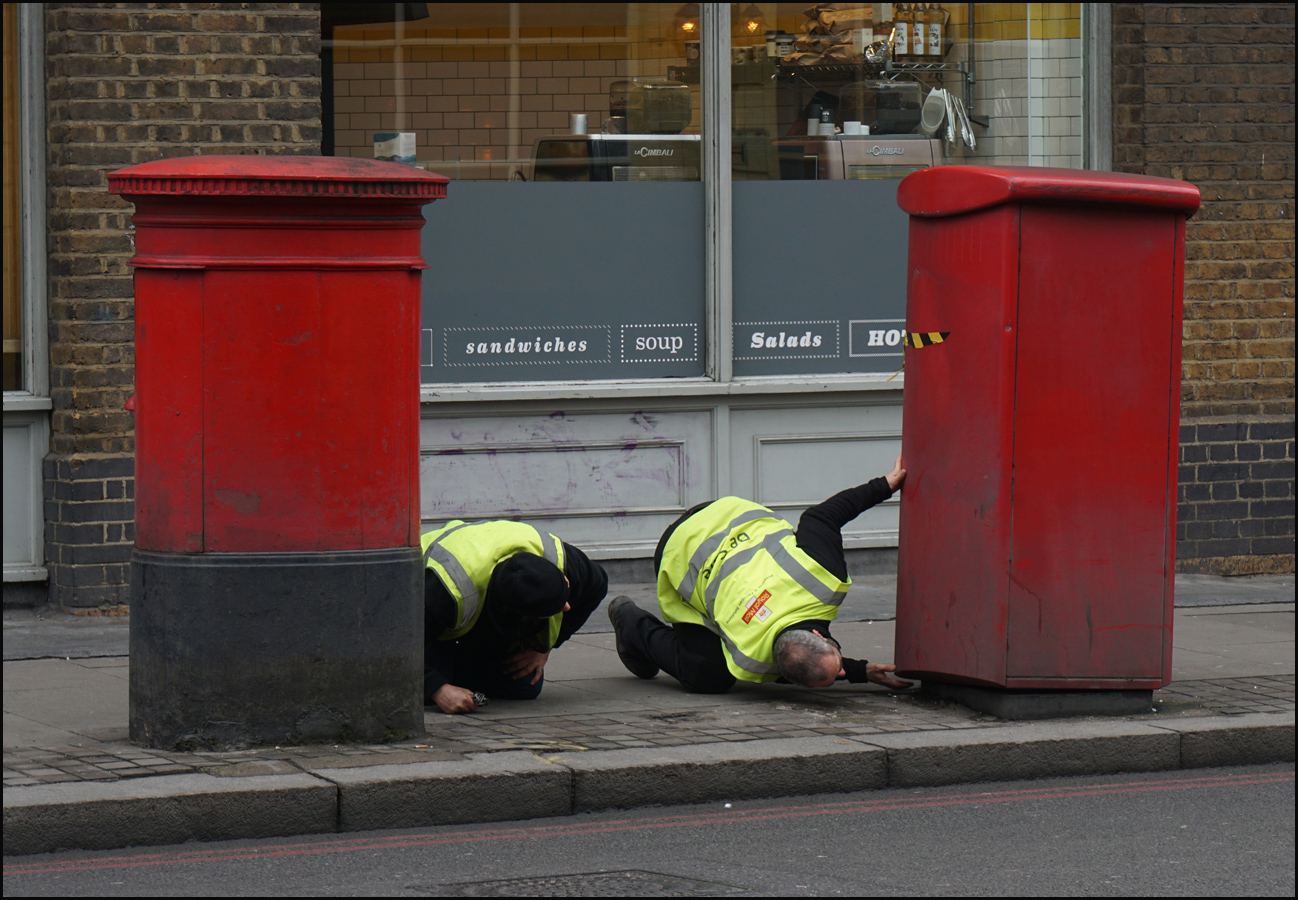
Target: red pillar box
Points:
(1039, 431)
(276, 587)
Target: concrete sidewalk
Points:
(599, 738)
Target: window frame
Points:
(33, 287)
(26, 411)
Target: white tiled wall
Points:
(1031, 92)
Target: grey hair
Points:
(803, 657)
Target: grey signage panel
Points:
(545, 282)
(820, 274)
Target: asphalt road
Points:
(1204, 832)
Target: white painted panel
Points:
(18, 547)
(789, 459)
(26, 437)
(553, 479)
(799, 470)
(604, 479)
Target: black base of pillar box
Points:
(232, 650)
(1006, 703)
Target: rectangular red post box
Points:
(1040, 427)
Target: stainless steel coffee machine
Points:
(616, 157)
(853, 157)
(639, 141)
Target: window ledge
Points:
(666, 387)
(22, 401)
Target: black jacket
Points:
(588, 583)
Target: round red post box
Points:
(277, 586)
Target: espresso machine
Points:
(894, 147)
(640, 140)
(853, 157)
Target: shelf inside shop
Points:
(908, 66)
(829, 73)
(854, 71)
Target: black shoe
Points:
(639, 665)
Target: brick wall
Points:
(1205, 93)
(127, 83)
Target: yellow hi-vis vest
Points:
(735, 568)
(464, 554)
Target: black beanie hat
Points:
(524, 588)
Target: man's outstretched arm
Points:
(820, 530)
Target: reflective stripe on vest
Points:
(491, 542)
(469, 598)
(773, 544)
(710, 546)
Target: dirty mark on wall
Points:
(554, 478)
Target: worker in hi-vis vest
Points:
(745, 597)
(498, 598)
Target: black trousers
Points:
(689, 653)
(480, 666)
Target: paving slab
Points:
(37, 634)
(1218, 590)
(1243, 640)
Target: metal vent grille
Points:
(628, 883)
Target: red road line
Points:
(675, 821)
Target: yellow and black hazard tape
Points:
(919, 339)
(925, 338)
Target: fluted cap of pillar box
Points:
(279, 176)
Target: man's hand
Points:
(451, 699)
(896, 476)
(880, 673)
(526, 662)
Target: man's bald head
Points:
(808, 659)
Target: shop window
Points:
(14, 370)
(832, 105)
(26, 372)
(571, 242)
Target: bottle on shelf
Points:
(919, 32)
(937, 31)
(901, 32)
